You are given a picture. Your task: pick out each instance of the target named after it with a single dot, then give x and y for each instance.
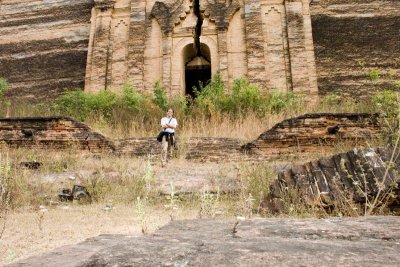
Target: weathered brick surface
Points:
(275, 40)
(57, 44)
(352, 38)
(52, 133)
(314, 132)
(65, 133)
(195, 148)
(43, 46)
(51, 45)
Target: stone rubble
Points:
(343, 177)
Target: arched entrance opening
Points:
(197, 68)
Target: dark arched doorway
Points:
(197, 68)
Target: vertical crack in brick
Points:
(197, 29)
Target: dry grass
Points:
(117, 182)
(247, 128)
(26, 234)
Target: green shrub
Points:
(72, 103)
(211, 97)
(132, 108)
(160, 97)
(3, 86)
(244, 97)
(180, 105)
(130, 99)
(80, 105)
(102, 103)
(386, 103)
(279, 101)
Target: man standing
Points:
(168, 123)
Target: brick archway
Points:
(180, 59)
(197, 68)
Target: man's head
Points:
(170, 112)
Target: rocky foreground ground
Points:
(363, 241)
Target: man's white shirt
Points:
(173, 122)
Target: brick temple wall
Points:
(47, 46)
(353, 38)
(43, 46)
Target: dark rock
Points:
(78, 193)
(333, 129)
(28, 132)
(33, 165)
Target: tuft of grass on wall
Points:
(3, 86)
(375, 75)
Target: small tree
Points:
(211, 96)
(131, 99)
(160, 96)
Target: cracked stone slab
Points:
(363, 241)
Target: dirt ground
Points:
(36, 229)
(32, 232)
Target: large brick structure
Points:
(268, 41)
(304, 46)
